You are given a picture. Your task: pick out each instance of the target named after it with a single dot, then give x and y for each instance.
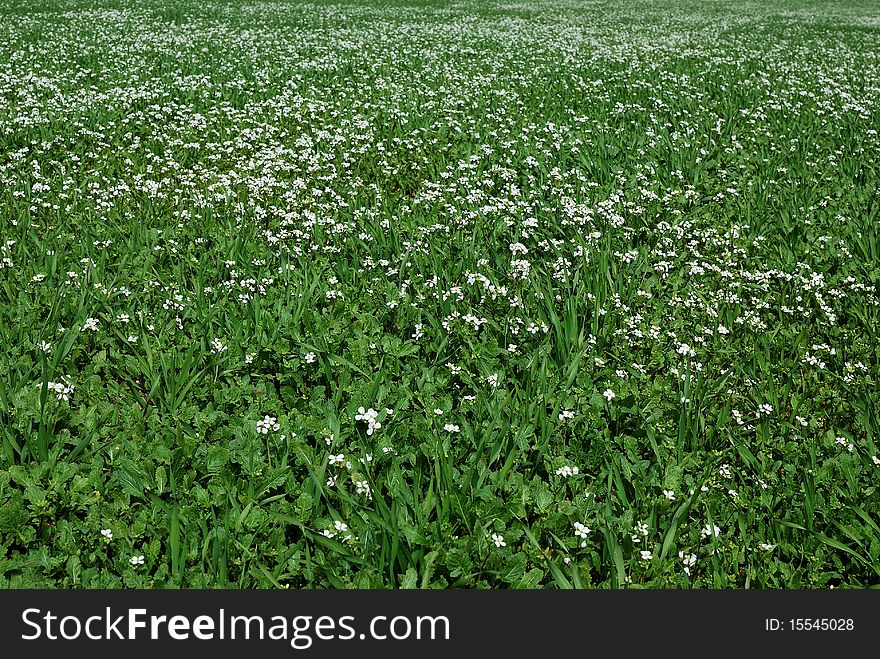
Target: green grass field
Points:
(426, 294)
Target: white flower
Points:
(45, 347)
(875, 460)
(642, 529)
(366, 415)
(565, 471)
(136, 560)
(266, 424)
(363, 488)
(766, 547)
(689, 560)
(309, 357)
(764, 409)
(62, 389)
(710, 530)
(108, 534)
(498, 539)
(370, 416)
(843, 441)
(131, 338)
(217, 346)
(336, 459)
(91, 324)
(342, 527)
(723, 330)
(566, 414)
(608, 394)
(669, 494)
(438, 411)
(646, 555)
(581, 531)
(685, 350)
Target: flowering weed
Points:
(522, 294)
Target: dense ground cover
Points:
(426, 294)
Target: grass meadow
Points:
(429, 294)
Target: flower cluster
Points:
(266, 424)
(688, 561)
(340, 529)
(370, 417)
(641, 531)
(710, 530)
(581, 531)
(63, 389)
